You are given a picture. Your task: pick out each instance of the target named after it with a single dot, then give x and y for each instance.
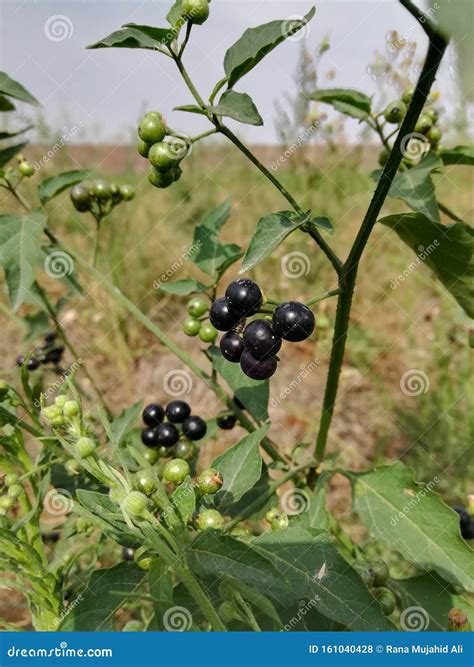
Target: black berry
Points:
(226, 422)
(293, 321)
(232, 346)
(32, 364)
(127, 553)
(260, 339)
(153, 414)
(194, 428)
(50, 337)
(150, 437)
(257, 369)
(244, 297)
(221, 317)
(177, 411)
(168, 434)
(466, 523)
(54, 356)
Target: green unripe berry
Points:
(208, 333)
(152, 129)
(164, 156)
(135, 503)
(71, 409)
(11, 479)
(185, 449)
(142, 558)
(82, 525)
(51, 413)
(279, 521)
(143, 148)
(85, 447)
(364, 572)
(210, 481)
(383, 157)
(195, 11)
(434, 135)
(271, 514)
(386, 600)
(6, 503)
(198, 306)
(408, 95)
(176, 471)
(60, 401)
(145, 483)
(227, 612)
(177, 172)
(26, 169)
(432, 113)
(81, 198)
(423, 123)
(210, 519)
(241, 533)
(102, 190)
(133, 626)
(150, 455)
(379, 571)
(395, 111)
(160, 179)
(15, 491)
(4, 388)
(127, 192)
(191, 327)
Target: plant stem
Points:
(322, 297)
(348, 278)
(95, 253)
(447, 211)
(203, 135)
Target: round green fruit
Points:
(15, 491)
(26, 169)
(241, 533)
(210, 519)
(434, 135)
(127, 192)
(279, 521)
(150, 455)
(81, 198)
(271, 514)
(85, 447)
(185, 450)
(386, 599)
(160, 179)
(135, 503)
(423, 123)
(379, 571)
(151, 129)
(208, 333)
(6, 503)
(4, 388)
(210, 481)
(195, 11)
(102, 190)
(408, 95)
(164, 156)
(143, 148)
(198, 306)
(71, 409)
(432, 113)
(176, 471)
(395, 111)
(365, 573)
(145, 483)
(383, 157)
(11, 479)
(191, 327)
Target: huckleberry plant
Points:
(217, 543)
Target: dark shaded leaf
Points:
(12, 88)
(54, 185)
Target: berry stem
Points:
(326, 295)
(436, 49)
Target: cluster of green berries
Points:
(25, 168)
(175, 434)
(196, 322)
(375, 575)
(99, 197)
(164, 156)
(12, 491)
(47, 353)
(66, 414)
(255, 345)
(278, 520)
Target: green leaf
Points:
(459, 155)
(10, 135)
(124, 423)
(349, 102)
(315, 514)
(183, 500)
(271, 230)
(12, 88)
(415, 187)
(431, 594)
(5, 104)
(7, 153)
(446, 249)
(175, 13)
(20, 252)
(216, 219)
(96, 608)
(258, 42)
(240, 467)
(258, 494)
(291, 566)
(54, 185)
(191, 108)
(134, 36)
(412, 519)
(238, 106)
(322, 223)
(252, 393)
(183, 287)
(160, 583)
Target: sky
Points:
(99, 95)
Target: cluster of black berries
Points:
(48, 353)
(256, 344)
(466, 523)
(160, 433)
